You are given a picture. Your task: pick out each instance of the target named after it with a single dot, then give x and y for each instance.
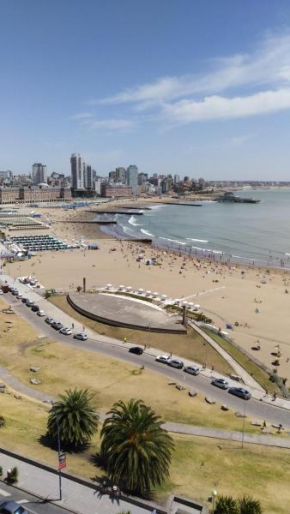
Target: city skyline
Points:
(199, 90)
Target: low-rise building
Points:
(116, 190)
(33, 194)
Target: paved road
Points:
(253, 408)
(31, 503)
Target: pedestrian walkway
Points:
(241, 372)
(76, 497)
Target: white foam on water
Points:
(197, 240)
(173, 240)
(146, 232)
(133, 221)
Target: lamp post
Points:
(59, 453)
(214, 497)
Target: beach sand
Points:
(255, 298)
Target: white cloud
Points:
(268, 64)
(218, 107)
(81, 116)
(110, 123)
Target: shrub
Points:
(227, 505)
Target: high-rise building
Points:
(38, 173)
(121, 175)
(88, 176)
(142, 178)
(132, 178)
(176, 179)
(77, 172)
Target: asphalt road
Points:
(252, 408)
(32, 504)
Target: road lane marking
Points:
(4, 493)
(22, 501)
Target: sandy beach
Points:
(255, 298)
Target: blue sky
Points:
(195, 87)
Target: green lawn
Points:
(248, 364)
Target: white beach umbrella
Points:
(121, 286)
(148, 292)
(141, 290)
(155, 294)
(164, 296)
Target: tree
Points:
(76, 418)
(248, 505)
(226, 505)
(135, 449)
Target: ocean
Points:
(254, 233)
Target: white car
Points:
(175, 363)
(1, 292)
(81, 336)
(163, 358)
(40, 313)
(65, 331)
(192, 370)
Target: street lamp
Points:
(214, 497)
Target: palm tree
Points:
(76, 418)
(227, 505)
(249, 506)
(135, 449)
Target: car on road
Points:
(175, 363)
(40, 313)
(1, 292)
(65, 331)
(81, 336)
(57, 325)
(136, 349)
(162, 358)
(10, 507)
(49, 320)
(14, 292)
(24, 300)
(241, 392)
(221, 383)
(19, 296)
(29, 303)
(35, 308)
(192, 370)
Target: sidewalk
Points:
(77, 497)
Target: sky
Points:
(193, 87)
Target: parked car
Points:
(192, 370)
(24, 300)
(10, 507)
(163, 358)
(29, 303)
(14, 292)
(136, 349)
(241, 392)
(1, 292)
(57, 325)
(175, 363)
(40, 313)
(221, 383)
(35, 308)
(19, 296)
(65, 331)
(81, 336)
(49, 320)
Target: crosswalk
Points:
(6, 494)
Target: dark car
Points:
(136, 349)
(10, 507)
(24, 300)
(35, 308)
(240, 392)
(56, 325)
(221, 383)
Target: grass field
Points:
(62, 367)
(198, 464)
(189, 346)
(248, 364)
